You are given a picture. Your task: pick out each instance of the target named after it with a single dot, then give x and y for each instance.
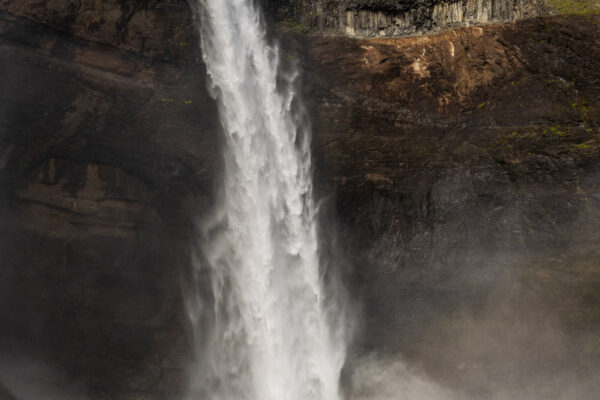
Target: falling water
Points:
(271, 331)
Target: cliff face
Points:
(462, 168)
(108, 146)
(466, 175)
(372, 18)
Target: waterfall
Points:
(272, 333)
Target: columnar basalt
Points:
(398, 18)
(438, 17)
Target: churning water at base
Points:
(270, 335)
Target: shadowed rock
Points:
(5, 394)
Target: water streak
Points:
(271, 331)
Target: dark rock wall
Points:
(5, 394)
(372, 18)
(108, 146)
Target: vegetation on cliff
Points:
(575, 7)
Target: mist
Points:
(26, 377)
(509, 343)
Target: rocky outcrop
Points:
(466, 174)
(108, 142)
(398, 18)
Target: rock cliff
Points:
(462, 169)
(372, 18)
(108, 142)
(466, 176)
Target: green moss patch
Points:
(575, 7)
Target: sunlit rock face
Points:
(467, 177)
(376, 18)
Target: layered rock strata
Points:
(399, 18)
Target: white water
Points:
(271, 335)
